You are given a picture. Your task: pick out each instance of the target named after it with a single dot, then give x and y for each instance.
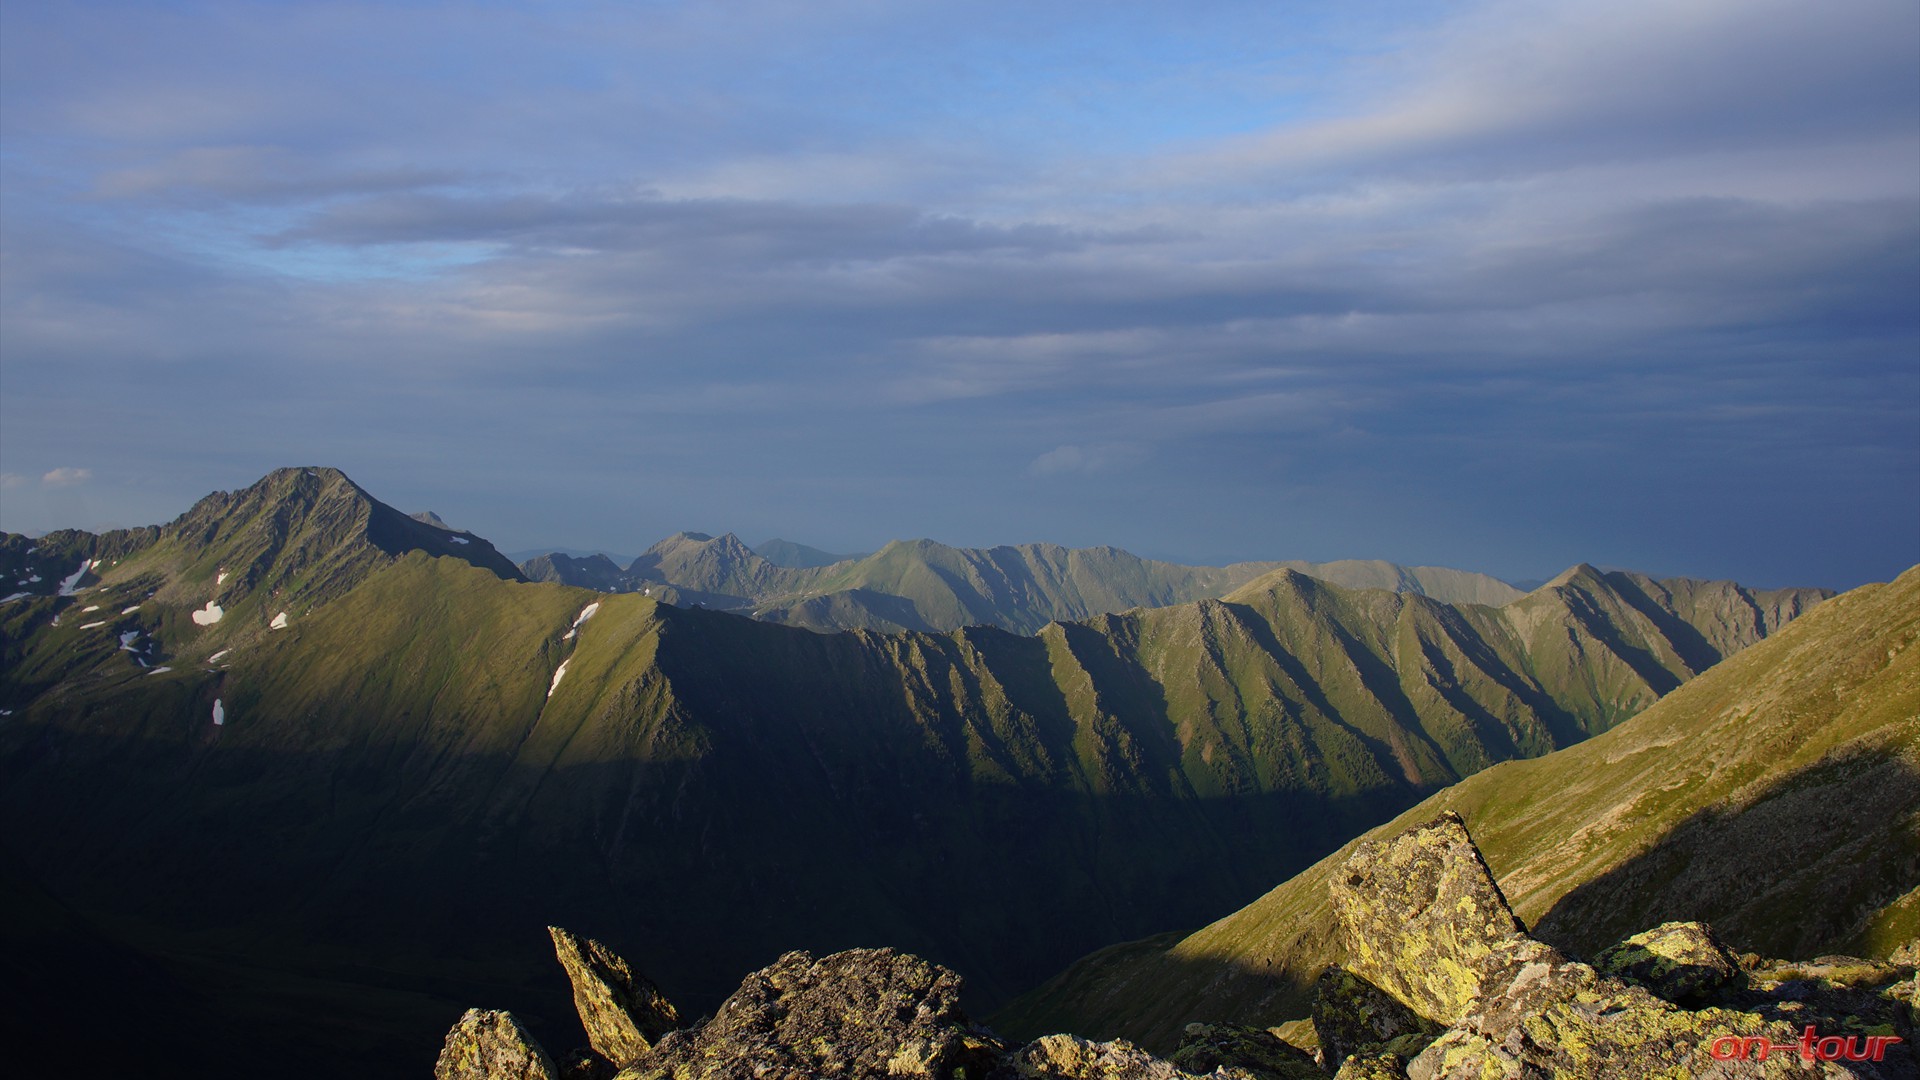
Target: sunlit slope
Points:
(1777, 796)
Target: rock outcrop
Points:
(1441, 982)
(863, 1012)
(623, 1012)
(1423, 920)
(489, 1045)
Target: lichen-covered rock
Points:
(1426, 924)
(624, 1014)
(1383, 1066)
(1353, 1016)
(1068, 1057)
(1683, 962)
(1422, 919)
(859, 1013)
(486, 1044)
(1256, 1052)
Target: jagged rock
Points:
(1354, 1017)
(1684, 962)
(1068, 1057)
(1382, 1066)
(623, 1013)
(859, 1013)
(1257, 1052)
(486, 1044)
(1422, 919)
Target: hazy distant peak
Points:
(428, 517)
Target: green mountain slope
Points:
(428, 759)
(1777, 796)
(799, 556)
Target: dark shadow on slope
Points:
(1793, 873)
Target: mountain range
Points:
(927, 586)
(331, 767)
(1776, 797)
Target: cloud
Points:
(66, 476)
(9, 481)
(1092, 458)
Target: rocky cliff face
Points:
(1442, 982)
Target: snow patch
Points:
(15, 596)
(458, 539)
(89, 607)
(219, 712)
(221, 578)
(279, 622)
(557, 673)
(158, 670)
(6, 712)
(91, 625)
(586, 613)
(127, 639)
(73, 579)
(218, 655)
(31, 580)
(131, 610)
(208, 615)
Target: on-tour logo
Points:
(1811, 1047)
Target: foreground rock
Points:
(623, 1012)
(1423, 921)
(1442, 982)
(864, 1012)
(490, 1045)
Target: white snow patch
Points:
(279, 622)
(127, 639)
(586, 613)
(218, 655)
(158, 670)
(648, 591)
(15, 596)
(89, 607)
(569, 635)
(6, 712)
(91, 625)
(31, 580)
(221, 578)
(208, 615)
(73, 579)
(458, 539)
(219, 712)
(131, 610)
(557, 673)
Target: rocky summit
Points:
(1441, 982)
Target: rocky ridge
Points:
(1441, 982)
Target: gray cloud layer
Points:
(1511, 286)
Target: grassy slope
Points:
(1778, 796)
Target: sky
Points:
(1497, 285)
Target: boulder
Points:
(1684, 962)
(1421, 918)
(859, 1013)
(1069, 1057)
(1354, 1017)
(1424, 922)
(624, 1014)
(486, 1044)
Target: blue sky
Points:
(1502, 286)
